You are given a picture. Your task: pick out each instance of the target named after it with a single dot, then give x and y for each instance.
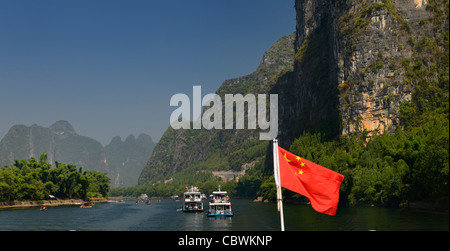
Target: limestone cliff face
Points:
(353, 58)
(375, 80)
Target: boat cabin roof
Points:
(192, 193)
(220, 204)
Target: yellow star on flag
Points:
(298, 158)
(299, 172)
(302, 164)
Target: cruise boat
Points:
(192, 200)
(220, 204)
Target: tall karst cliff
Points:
(355, 61)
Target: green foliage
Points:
(36, 180)
(389, 170)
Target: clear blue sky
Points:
(109, 67)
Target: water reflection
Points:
(220, 223)
(304, 218)
(192, 220)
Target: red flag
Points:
(319, 184)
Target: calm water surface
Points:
(249, 216)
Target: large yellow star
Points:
(299, 172)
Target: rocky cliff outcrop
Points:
(354, 59)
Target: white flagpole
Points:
(275, 169)
(276, 173)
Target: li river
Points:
(249, 216)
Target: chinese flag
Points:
(319, 184)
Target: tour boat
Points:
(192, 201)
(219, 204)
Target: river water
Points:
(249, 216)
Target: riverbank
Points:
(46, 203)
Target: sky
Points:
(110, 67)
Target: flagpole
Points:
(276, 173)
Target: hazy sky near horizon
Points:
(110, 67)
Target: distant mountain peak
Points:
(62, 127)
(130, 138)
(145, 138)
(116, 140)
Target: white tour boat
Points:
(192, 200)
(219, 204)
